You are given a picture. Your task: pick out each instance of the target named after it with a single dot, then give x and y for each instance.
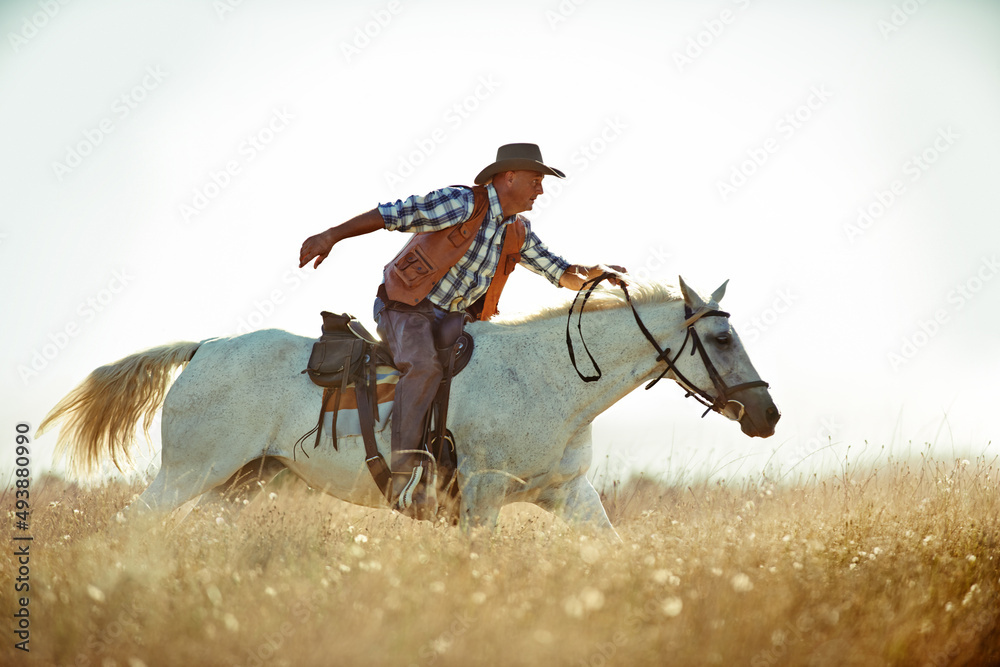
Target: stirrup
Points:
(405, 499)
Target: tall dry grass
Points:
(894, 566)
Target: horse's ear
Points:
(721, 292)
(693, 301)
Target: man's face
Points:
(525, 186)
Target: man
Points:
(456, 263)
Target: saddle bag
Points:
(347, 354)
(338, 357)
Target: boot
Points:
(414, 488)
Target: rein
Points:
(723, 391)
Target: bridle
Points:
(724, 392)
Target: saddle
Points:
(347, 356)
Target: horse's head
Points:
(717, 369)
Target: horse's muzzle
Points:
(760, 415)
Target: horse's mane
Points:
(603, 298)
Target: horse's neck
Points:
(624, 355)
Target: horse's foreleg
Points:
(578, 504)
(483, 494)
(245, 484)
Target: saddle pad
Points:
(348, 422)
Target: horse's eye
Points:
(723, 339)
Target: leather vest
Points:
(428, 256)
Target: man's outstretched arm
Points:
(320, 245)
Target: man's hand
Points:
(622, 272)
(318, 247)
(576, 276)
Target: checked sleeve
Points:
(537, 257)
(432, 212)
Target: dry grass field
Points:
(890, 566)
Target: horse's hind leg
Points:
(243, 486)
(170, 490)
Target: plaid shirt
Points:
(470, 277)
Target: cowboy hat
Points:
(515, 157)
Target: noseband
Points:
(724, 392)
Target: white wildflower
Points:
(672, 606)
(591, 598)
(741, 583)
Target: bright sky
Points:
(163, 162)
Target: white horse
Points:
(520, 414)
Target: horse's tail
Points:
(99, 416)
